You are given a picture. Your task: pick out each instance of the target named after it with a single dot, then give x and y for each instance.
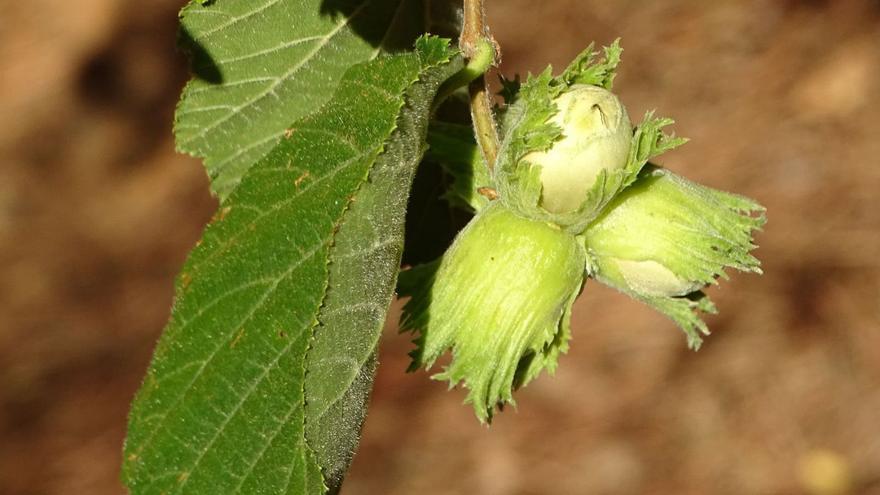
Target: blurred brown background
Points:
(780, 99)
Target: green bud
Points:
(500, 299)
(664, 238)
(596, 136)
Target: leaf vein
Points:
(235, 20)
(369, 249)
(269, 51)
(222, 163)
(230, 84)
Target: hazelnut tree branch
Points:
(476, 43)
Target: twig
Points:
(474, 42)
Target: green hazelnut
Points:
(664, 238)
(596, 136)
(667, 236)
(500, 300)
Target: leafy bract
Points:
(222, 407)
(263, 64)
(453, 146)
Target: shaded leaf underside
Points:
(364, 263)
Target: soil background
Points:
(781, 99)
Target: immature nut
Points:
(653, 279)
(665, 236)
(596, 136)
(501, 300)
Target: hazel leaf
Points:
(223, 409)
